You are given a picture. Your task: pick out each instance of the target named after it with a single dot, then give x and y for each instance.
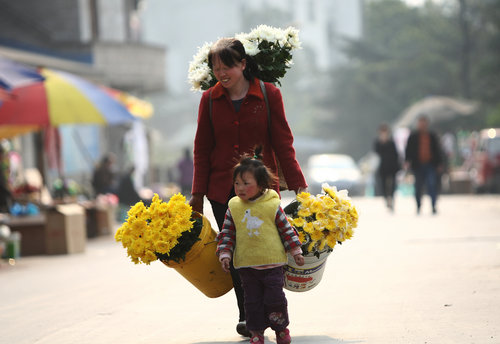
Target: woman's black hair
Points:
(231, 51)
(254, 164)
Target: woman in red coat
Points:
(237, 124)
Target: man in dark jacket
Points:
(423, 156)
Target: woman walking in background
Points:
(389, 164)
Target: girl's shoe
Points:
(283, 337)
(257, 339)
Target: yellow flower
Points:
(354, 212)
(318, 225)
(316, 235)
(185, 222)
(330, 224)
(328, 202)
(341, 223)
(322, 244)
(309, 227)
(155, 229)
(302, 237)
(149, 256)
(162, 247)
(331, 240)
(303, 197)
(119, 234)
(311, 245)
(175, 229)
(334, 216)
(304, 212)
(299, 222)
(307, 202)
(316, 206)
(330, 191)
(177, 198)
(136, 210)
(333, 212)
(321, 216)
(349, 233)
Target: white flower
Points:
(251, 47)
(278, 40)
(265, 33)
(292, 35)
(342, 194)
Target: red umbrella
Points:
(63, 98)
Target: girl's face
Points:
(228, 76)
(245, 186)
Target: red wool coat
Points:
(219, 143)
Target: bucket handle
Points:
(211, 242)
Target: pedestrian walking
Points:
(389, 164)
(423, 155)
(232, 120)
(103, 177)
(257, 234)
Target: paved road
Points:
(403, 278)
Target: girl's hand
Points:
(299, 259)
(225, 264)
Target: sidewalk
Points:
(401, 279)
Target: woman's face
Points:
(245, 186)
(228, 76)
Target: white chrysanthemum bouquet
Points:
(270, 47)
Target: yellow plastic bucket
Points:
(305, 277)
(202, 267)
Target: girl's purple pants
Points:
(265, 301)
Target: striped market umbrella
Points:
(13, 74)
(63, 98)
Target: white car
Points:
(338, 170)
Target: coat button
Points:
(236, 146)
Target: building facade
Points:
(99, 40)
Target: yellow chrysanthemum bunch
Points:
(323, 220)
(154, 232)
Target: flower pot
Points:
(305, 277)
(202, 267)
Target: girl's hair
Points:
(231, 51)
(253, 164)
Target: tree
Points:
(409, 53)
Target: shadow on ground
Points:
(296, 340)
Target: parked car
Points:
(338, 170)
(486, 168)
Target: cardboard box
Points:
(105, 217)
(65, 229)
(32, 230)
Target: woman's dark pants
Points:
(219, 211)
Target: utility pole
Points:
(465, 50)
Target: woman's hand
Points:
(299, 259)
(225, 264)
(299, 190)
(196, 202)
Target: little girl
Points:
(255, 235)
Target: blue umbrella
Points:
(13, 74)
